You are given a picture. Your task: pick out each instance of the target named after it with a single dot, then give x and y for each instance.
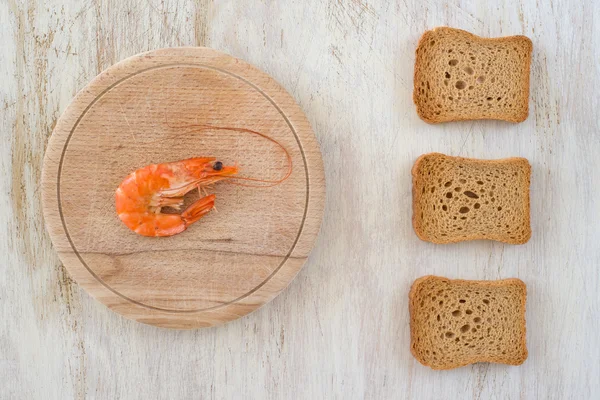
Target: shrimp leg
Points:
(198, 209)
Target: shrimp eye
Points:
(218, 166)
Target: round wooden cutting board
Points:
(141, 111)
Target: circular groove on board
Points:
(199, 316)
(67, 230)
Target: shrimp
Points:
(143, 193)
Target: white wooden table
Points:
(341, 329)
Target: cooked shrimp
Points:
(141, 196)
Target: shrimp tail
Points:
(197, 210)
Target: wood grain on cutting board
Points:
(169, 105)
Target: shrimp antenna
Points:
(232, 179)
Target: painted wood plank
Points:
(341, 329)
